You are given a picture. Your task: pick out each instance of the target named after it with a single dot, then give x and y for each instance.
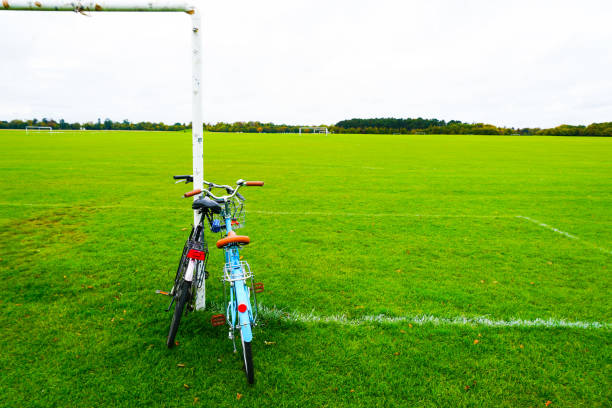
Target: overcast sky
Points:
(512, 63)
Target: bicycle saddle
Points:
(206, 204)
(232, 238)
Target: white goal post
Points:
(187, 6)
(29, 129)
(315, 129)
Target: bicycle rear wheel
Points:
(182, 292)
(247, 356)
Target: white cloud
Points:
(519, 63)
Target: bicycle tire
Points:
(247, 356)
(179, 306)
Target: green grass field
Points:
(411, 227)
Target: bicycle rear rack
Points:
(246, 272)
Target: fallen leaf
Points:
(396, 353)
(55, 339)
(124, 312)
(183, 229)
(521, 346)
(89, 287)
(268, 343)
(359, 307)
(403, 331)
(479, 335)
(548, 403)
(531, 283)
(476, 341)
(176, 343)
(410, 325)
(467, 387)
(550, 263)
(352, 390)
(238, 395)
(186, 386)
(399, 271)
(195, 400)
(180, 365)
(495, 282)
(481, 281)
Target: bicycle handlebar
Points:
(192, 193)
(230, 190)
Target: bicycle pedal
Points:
(161, 292)
(259, 287)
(217, 320)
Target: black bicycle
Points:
(189, 290)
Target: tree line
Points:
(369, 126)
(456, 127)
(107, 124)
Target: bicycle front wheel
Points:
(247, 356)
(179, 306)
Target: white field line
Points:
(565, 234)
(304, 213)
(423, 319)
(399, 215)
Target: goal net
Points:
(37, 129)
(314, 129)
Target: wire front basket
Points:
(237, 217)
(238, 213)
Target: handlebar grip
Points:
(255, 183)
(192, 193)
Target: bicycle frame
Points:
(236, 275)
(195, 272)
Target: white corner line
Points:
(423, 319)
(566, 234)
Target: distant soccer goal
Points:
(38, 129)
(315, 129)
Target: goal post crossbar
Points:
(315, 129)
(39, 128)
(188, 7)
(100, 5)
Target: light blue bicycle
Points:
(226, 212)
